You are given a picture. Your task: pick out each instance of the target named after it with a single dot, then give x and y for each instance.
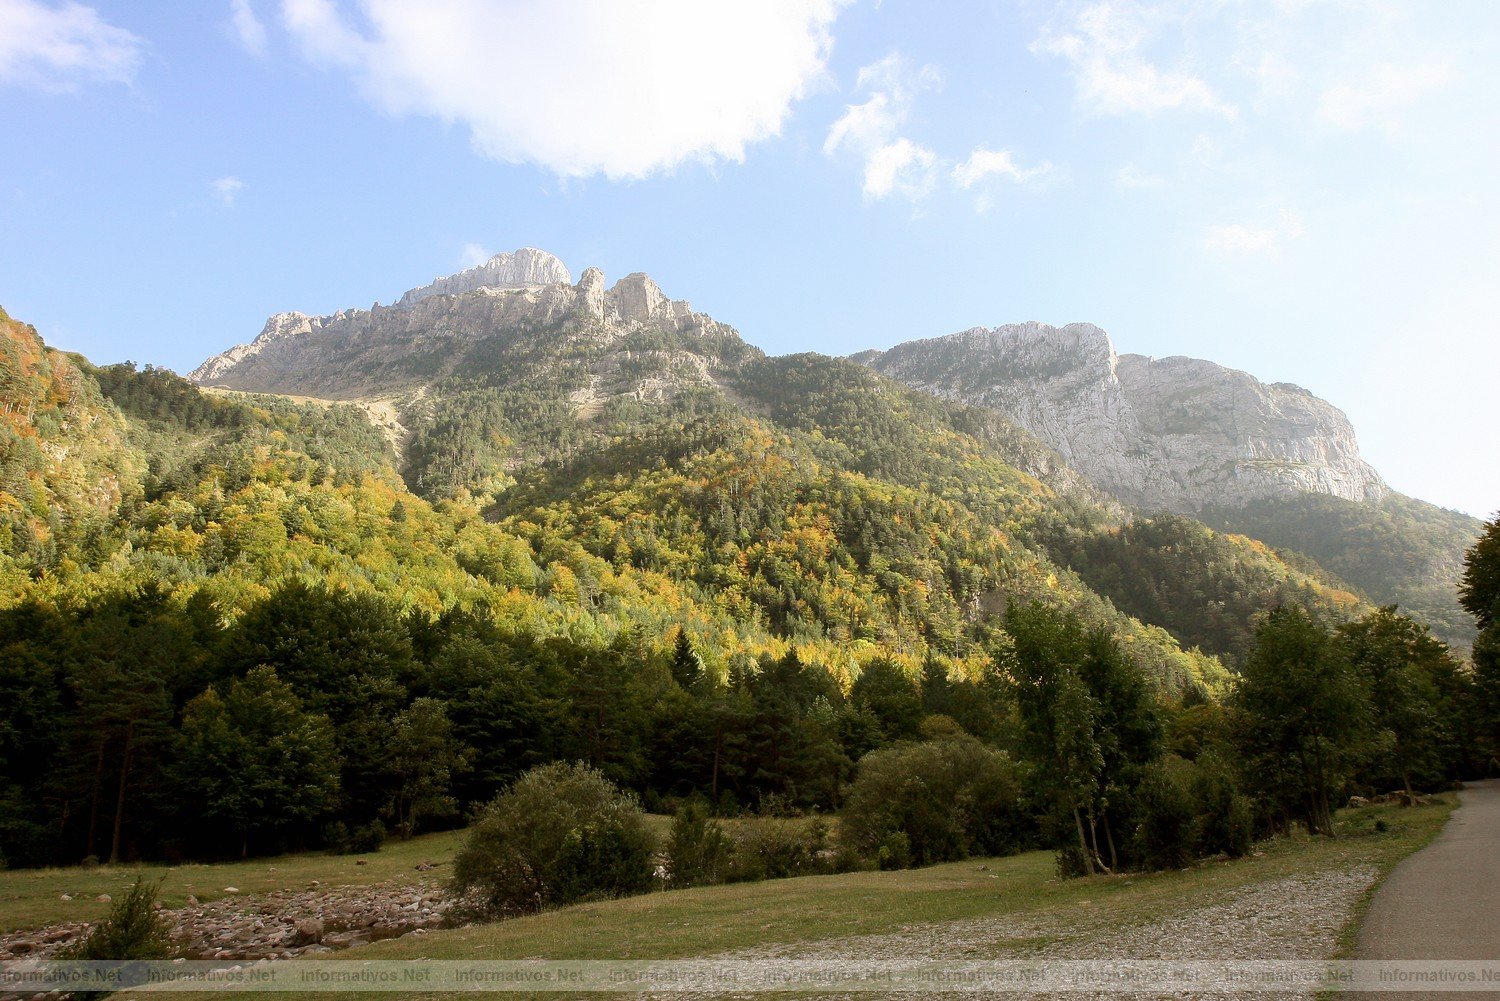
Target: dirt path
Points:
(1444, 901)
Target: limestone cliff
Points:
(503, 320)
(1173, 433)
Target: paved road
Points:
(1444, 901)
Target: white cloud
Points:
(473, 255)
(900, 167)
(248, 27)
(1253, 240)
(1132, 176)
(1106, 45)
(984, 163)
(581, 87)
(1380, 96)
(61, 48)
(893, 164)
(226, 189)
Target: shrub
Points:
(601, 859)
(777, 849)
(1226, 818)
(699, 853)
(949, 798)
(894, 851)
(132, 930)
(562, 832)
(1070, 862)
(1167, 834)
(338, 839)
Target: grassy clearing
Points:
(715, 919)
(32, 898)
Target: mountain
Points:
(64, 459)
(511, 503)
(503, 322)
(1175, 434)
(521, 398)
(1271, 461)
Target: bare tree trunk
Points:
(88, 847)
(718, 750)
(1088, 861)
(114, 845)
(1109, 837)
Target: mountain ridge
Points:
(490, 379)
(1173, 433)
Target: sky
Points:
(1303, 189)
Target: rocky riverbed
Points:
(277, 925)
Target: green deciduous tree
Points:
(1303, 718)
(425, 755)
(254, 759)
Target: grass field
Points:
(803, 911)
(31, 898)
(715, 919)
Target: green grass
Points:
(719, 919)
(712, 920)
(696, 922)
(31, 898)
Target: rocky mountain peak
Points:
(637, 299)
(524, 268)
(1174, 433)
(514, 313)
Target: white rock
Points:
(1173, 433)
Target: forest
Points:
(235, 625)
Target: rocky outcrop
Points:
(502, 322)
(279, 925)
(526, 268)
(1172, 433)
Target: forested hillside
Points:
(262, 633)
(1398, 550)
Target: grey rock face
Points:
(1173, 433)
(503, 331)
(526, 268)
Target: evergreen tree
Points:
(254, 759)
(425, 756)
(1303, 718)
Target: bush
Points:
(699, 853)
(777, 849)
(894, 851)
(949, 798)
(133, 930)
(1226, 819)
(1167, 835)
(562, 832)
(1071, 863)
(338, 839)
(601, 859)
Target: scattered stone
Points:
(231, 889)
(359, 861)
(309, 932)
(1358, 801)
(282, 924)
(67, 896)
(104, 898)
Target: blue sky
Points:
(1305, 189)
